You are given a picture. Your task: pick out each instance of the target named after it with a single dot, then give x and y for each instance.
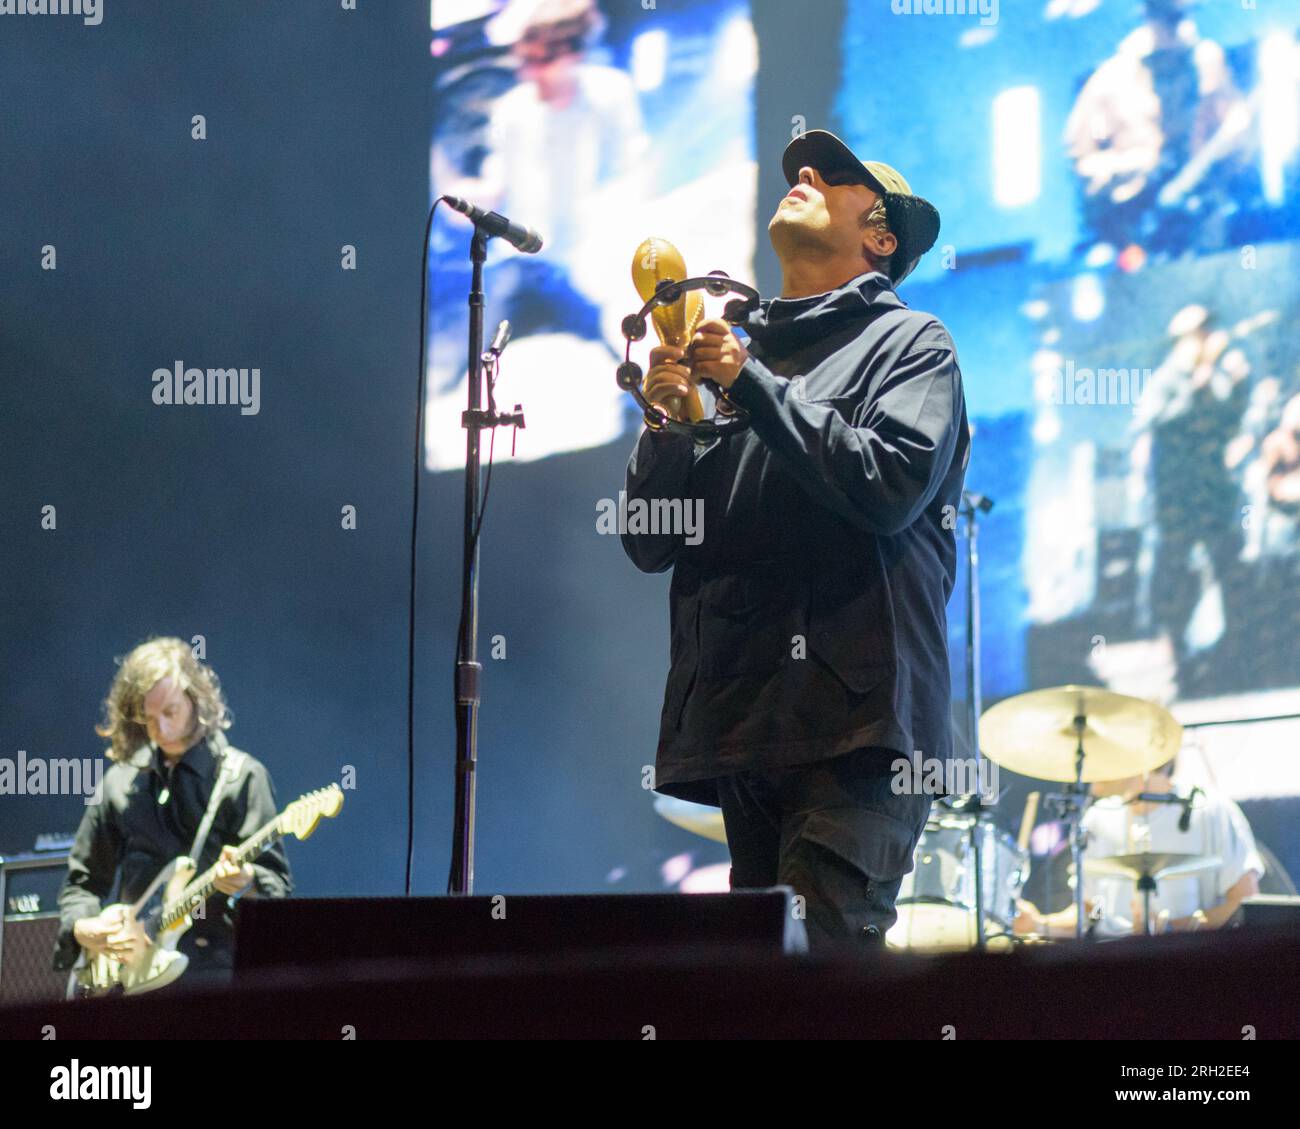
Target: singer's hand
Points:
(668, 378)
(716, 353)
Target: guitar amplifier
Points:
(29, 893)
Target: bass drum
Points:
(936, 902)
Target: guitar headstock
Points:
(301, 817)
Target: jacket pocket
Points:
(850, 629)
(749, 623)
(877, 845)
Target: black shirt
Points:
(148, 815)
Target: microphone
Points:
(1157, 798)
(521, 238)
(501, 340)
(1186, 802)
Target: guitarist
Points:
(166, 717)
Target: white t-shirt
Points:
(547, 160)
(1217, 829)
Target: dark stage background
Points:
(200, 521)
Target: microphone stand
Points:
(973, 506)
(468, 669)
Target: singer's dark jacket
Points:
(810, 618)
(145, 819)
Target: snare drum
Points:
(936, 902)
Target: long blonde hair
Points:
(142, 670)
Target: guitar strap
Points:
(231, 762)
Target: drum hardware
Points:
(937, 899)
(1010, 942)
(1146, 869)
(699, 819)
(1079, 735)
(972, 505)
(1070, 806)
(1188, 802)
(1036, 734)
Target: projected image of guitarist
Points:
(1161, 137)
(166, 718)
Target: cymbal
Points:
(1034, 734)
(700, 819)
(1165, 864)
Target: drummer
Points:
(1120, 824)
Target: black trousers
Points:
(835, 831)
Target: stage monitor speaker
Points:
(320, 931)
(29, 893)
(1270, 911)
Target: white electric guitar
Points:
(165, 920)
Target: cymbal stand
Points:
(1071, 805)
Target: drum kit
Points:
(967, 876)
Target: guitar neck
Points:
(203, 886)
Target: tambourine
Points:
(658, 273)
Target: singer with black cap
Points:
(808, 624)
